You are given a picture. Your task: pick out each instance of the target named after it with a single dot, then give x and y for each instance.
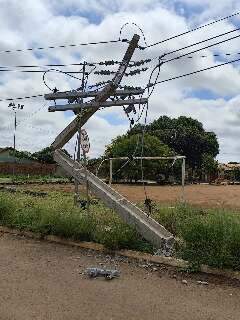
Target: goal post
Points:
(182, 158)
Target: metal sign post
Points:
(85, 144)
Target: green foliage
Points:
(21, 154)
(93, 164)
(209, 237)
(46, 155)
(131, 145)
(213, 240)
(57, 215)
(184, 135)
(236, 174)
(209, 164)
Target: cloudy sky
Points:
(212, 97)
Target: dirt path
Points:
(201, 195)
(40, 280)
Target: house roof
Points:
(5, 149)
(229, 166)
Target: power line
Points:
(192, 30)
(206, 56)
(38, 71)
(8, 68)
(199, 42)
(22, 98)
(64, 46)
(194, 72)
(203, 48)
(44, 66)
(90, 64)
(129, 87)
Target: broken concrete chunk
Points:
(108, 274)
(204, 283)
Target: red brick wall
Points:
(32, 169)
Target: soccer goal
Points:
(174, 158)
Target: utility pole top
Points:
(88, 94)
(100, 98)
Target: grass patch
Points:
(58, 216)
(209, 237)
(24, 178)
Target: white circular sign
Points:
(85, 143)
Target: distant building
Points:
(21, 164)
(7, 156)
(229, 171)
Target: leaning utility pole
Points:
(81, 109)
(148, 227)
(100, 98)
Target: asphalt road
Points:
(40, 280)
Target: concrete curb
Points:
(169, 261)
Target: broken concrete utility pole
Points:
(101, 97)
(146, 226)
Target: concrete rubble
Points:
(108, 274)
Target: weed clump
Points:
(209, 237)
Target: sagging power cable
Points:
(194, 72)
(192, 30)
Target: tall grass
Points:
(209, 237)
(57, 215)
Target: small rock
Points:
(230, 294)
(155, 269)
(205, 283)
(184, 282)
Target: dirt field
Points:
(42, 281)
(202, 195)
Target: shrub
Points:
(209, 237)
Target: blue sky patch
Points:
(205, 94)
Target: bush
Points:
(209, 237)
(58, 216)
(213, 240)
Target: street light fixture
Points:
(15, 108)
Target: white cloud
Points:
(51, 22)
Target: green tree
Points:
(131, 146)
(184, 135)
(209, 165)
(46, 155)
(21, 154)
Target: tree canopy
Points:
(184, 135)
(163, 137)
(46, 155)
(131, 146)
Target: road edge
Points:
(169, 261)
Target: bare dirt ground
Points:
(41, 280)
(201, 195)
